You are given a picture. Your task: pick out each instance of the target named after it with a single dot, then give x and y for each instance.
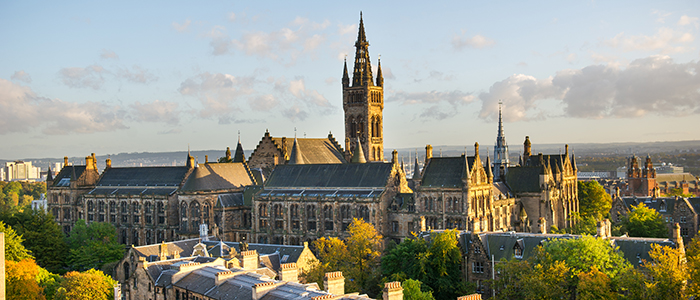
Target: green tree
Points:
(582, 255)
(14, 250)
(42, 236)
(442, 265)
(693, 262)
(512, 279)
(364, 249)
(92, 246)
(91, 284)
(679, 192)
(644, 222)
(402, 261)
(412, 291)
(594, 285)
(632, 285)
(549, 282)
(332, 254)
(593, 200)
(667, 273)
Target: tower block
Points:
(363, 103)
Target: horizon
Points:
(134, 78)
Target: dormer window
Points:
(662, 206)
(518, 248)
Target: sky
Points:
(154, 76)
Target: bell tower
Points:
(363, 103)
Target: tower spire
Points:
(362, 74)
(500, 151)
(346, 78)
(380, 78)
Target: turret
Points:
(527, 149)
(358, 156)
(240, 155)
(380, 78)
(296, 158)
(346, 78)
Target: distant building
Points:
(683, 211)
(21, 171)
(644, 181)
(40, 204)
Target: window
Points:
(684, 231)
(682, 219)
(394, 226)
(478, 267)
(477, 249)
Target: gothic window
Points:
(149, 237)
(66, 199)
(394, 226)
(195, 215)
(135, 236)
(294, 215)
(262, 210)
(477, 267)
(279, 216)
(311, 217)
(206, 214)
(161, 236)
(56, 212)
(66, 214)
(345, 216)
(662, 206)
(328, 217)
(183, 216)
(101, 209)
(364, 213)
(136, 210)
(91, 210)
(148, 207)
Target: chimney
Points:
(108, 162)
(394, 157)
(392, 291)
(601, 230)
(677, 238)
(543, 225)
(422, 224)
(289, 272)
(476, 225)
(142, 263)
(94, 161)
(428, 153)
(334, 282)
(206, 159)
(65, 161)
(222, 276)
(88, 163)
(249, 259)
(176, 255)
(163, 251)
(260, 289)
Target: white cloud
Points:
(312, 97)
(295, 113)
(182, 27)
(232, 17)
(666, 40)
(346, 29)
(662, 15)
(21, 75)
(263, 103)
(686, 20)
(220, 41)
(21, 110)
(108, 54)
(218, 94)
(441, 105)
(137, 75)
(156, 111)
(652, 85)
(478, 41)
(90, 76)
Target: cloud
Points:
(435, 75)
(88, 77)
(312, 97)
(263, 102)
(295, 113)
(108, 54)
(346, 29)
(652, 85)
(137, 75)
(182, 27)
(156, 111)
(232, 17)
(666, 40)
(478, 41)
(662, 15)
(21, 76)
(220, 41)
(217, 93)
(454, 98)
(686, 20)
(21, 110)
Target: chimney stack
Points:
(428, 153)
(334, 282)
(260, 289)
(65, 161)
(677, 238)
(543, 225)
(249, 259)
(392, 291)
(108, 162)
(289, 272)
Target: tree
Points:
(22, 280)
(693, 265)
(402, 261)
(593, 285)
(667, 273)
(332, 254)
(644, 222)
(364, 249)
(549, 282)
(593, 200)
(93, 246)
(679, 192)
(42, 236)
(91, 284)
(14, 250)
(582, 255)
(412, 291)
(511, 282)
(442, 265)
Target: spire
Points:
(573, 161)
(489, 173)
(380, 78)
(295, 158)
(467, 170)
(240, 155)
(358, 156)
(346, 78)
(416, 170)
(49, 174)
(190, 159)
(500, 151)
(362, 74)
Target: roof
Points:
(446, 171)
(230, 200)
(286, 253)
(669, 203)
(524, 179)
(321, 176)
(218, 176)
(636, 249)
(184, 247)
(143, 176)
(63, 178)
(314, 150)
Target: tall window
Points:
(311, 217)
(328, 217)
(195, 215)
(183, 217)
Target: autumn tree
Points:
(21, 280)
(667, 273)
(42, 236)
(512, 280)
(92, 246)
(644, 222)
(693, 263)
(332, 255)
(91, 284)
(582, 255)
(594, 285)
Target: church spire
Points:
(380, 78)
(362, 74)
(358, 155)
(500, 151)
(346, 78)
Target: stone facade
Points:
(674, 210)
(64, 192)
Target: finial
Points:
(380, 56)
(239, 136)
(295, 132)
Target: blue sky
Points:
(126, 76)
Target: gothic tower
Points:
(500, 151)
(363, 103)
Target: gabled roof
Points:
(285, 253)
(524, 179)
(218, 176)
(68, 174)
(143, 176)
(229, 200)
(369, 175)
(636, 249)
(314, 150)
(446, 171)
(653, 203)
(184, 247)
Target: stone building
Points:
(272, 151)
(65, 191)
(363, 103)
(674, 210)
(546, 187)
(646, 182)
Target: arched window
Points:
(206, 214)
(364, 213)
(311, 217)
(195, 215)
(183, 217)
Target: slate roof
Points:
(669, 180)
(286, 253)
(322, 176)
(653, 203)
(184, 247)
(314, 150)
(229, 200)
(636, 249)
(524, 179)
(502, 245)
(63, 177)
(446, 171)
(218, 176)
(143, 176)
